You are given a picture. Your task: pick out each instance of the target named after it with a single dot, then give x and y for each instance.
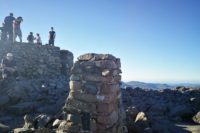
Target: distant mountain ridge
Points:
(144, 85)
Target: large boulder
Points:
(28, 122)
(131, 113)
(42, 121)
(196, 118)
(141, 124)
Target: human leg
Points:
(52, 42)
(20, 35)
(10, 34)
(14, 35)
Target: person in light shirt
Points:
(17, 29)
(38, 39)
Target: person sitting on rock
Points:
(30, 38)
(8, 66)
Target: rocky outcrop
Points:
(36, 61)
(165, 110)
(196, 118)
(94, 104)
(148, 111)
(42, 85)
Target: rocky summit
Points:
(41, 86)
(51, 94)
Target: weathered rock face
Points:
(164, 109)
(42, 86)
(94, 103)
(35, 61)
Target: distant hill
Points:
(144, 85)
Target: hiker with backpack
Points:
(8, 21)
(52, 36)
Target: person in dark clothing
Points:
(8, 66)
(52, 36)
(8, 26)
(17, 29)
(3, 33)
(30, 38)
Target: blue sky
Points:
(157, 40)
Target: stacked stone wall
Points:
(93, 104)
(41, 86)
(35, 61)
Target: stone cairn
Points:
(94, 102)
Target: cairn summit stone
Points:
(95, 95)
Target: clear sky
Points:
(157, 40)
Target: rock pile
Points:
(35, 61)
(42, 86)
(164, 110)
(93, 104)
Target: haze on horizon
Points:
(157, 40)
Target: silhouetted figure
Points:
(8, 26)
(17, 29)
(3, 34)
(30, 38)
(38, 39)
(52, 36)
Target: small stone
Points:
(196, 118)
(56, 123)
(105, 72)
